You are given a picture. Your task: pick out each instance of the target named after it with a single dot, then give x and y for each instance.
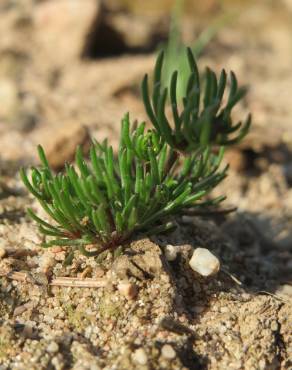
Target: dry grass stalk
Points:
(60, 281)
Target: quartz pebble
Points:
(53, 347)
(128, 289)
(170, 252)
(204, 262)
(140, 356)
(274, 326)
(168, 352)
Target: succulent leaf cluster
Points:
(102, 201)
(201, 118)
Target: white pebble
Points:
(170, 252)
(168, 352)
(274, 326)
(53, 347)
(140, 356)
(204, 262)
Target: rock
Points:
(115, 36)
(145, 261)
(61, 146)
(58, 362)
(148, 257)
(274, 325)
(168, 352)
(61, 27)
(47, 262)
(140, 357)
(57, 249)
(53, 347)
(204, 262)
(170, 252)
(27, 332)
(236, 159)
(128, 290)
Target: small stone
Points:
(204, 262)
(60, 257)
(198, 309)
(222, 329)
(99, 272)
(168, 352)
(47, 263)
(58, 362)
(274, 326)
(140, 356)
(53, 347)
(262, 364)
(27, 331)
(246, 296)
(128, 290)
(57, 249)
(55, 19)
(170, 252)
(20, 310)
(60, 147)
(228, 324)
(196, 287)
(86, 272)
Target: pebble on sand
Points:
(170, 252)
(128, 290)
(140, 357)
(168, 352)
(204, 262)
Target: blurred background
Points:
(73, 67)
(70, 69)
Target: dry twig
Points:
(60, 281)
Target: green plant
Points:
(158, 173)
(174, 48)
